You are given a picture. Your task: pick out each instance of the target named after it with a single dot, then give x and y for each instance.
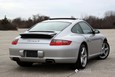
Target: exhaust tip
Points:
(15, 59)
(50, 61)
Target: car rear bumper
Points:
(44, 60)
(59, 54)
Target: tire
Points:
(24, 64)
(82, 57)
(105, 51)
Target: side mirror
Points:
(96, 31)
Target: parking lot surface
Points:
(95, 68)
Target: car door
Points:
(92, 39)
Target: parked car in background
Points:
(59, 40)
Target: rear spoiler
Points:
(37, 35)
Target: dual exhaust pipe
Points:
(49, 61)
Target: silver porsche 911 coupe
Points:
(59, 40)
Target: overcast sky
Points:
(55, 8)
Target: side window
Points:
(86, 28)
(77, 29)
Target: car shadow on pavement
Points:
(97, 63)
(49, 68)
(54, 68)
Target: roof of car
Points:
(64, 20)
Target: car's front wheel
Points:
(24, 64)
(105, 50)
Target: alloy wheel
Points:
(105, 50)
(83, 57)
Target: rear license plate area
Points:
(30, 53)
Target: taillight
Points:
(15, 42)
(55, 42)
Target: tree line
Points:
(107, 22)
(6, 24)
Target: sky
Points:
(55, 8)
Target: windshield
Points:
(50, 26)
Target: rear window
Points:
(50, 26)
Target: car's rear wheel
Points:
(82, 57)
(24, 64)
(105, 51)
